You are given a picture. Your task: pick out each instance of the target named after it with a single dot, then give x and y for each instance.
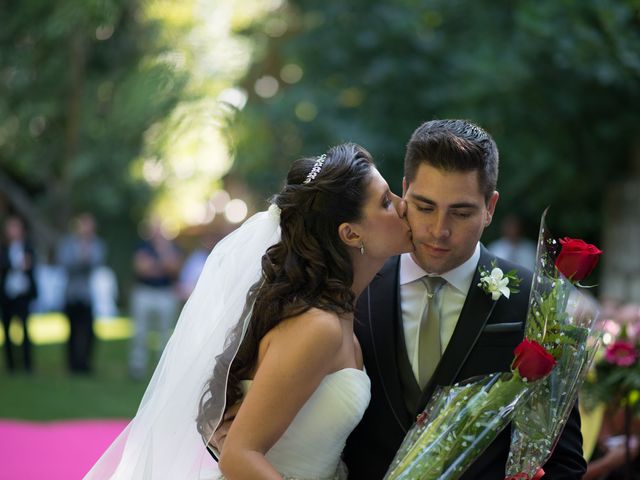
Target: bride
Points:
(268, 331)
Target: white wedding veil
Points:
(162, 441)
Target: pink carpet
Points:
(63, 450)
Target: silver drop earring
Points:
(361, 248)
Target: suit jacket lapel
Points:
(385, 315)
(476, 311)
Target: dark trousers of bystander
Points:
(81, 336)
(16, 308)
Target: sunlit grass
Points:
(51, 328)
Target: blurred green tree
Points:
(80, 84)
(554, 82)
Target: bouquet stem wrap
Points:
(459, 423)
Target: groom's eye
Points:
(427, 209)
(463, 214)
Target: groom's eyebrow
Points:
(423, 199)
(472, 206)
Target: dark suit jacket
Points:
(483, 342)
(5, 267)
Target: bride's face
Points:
(384, 229)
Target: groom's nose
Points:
(440, 227)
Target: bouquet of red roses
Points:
(460, 421)
(563, 320)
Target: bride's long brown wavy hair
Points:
(309, 267)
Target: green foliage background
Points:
(81, 84)
(555, 83)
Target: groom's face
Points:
(447, 213)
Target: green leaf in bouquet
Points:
(564, 337)
(547, 312)
(577, 334)
(543, 315)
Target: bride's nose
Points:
(400, 205)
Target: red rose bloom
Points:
(577, 258)
(532, 360)
(621, 353)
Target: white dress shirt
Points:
(16, 282)
(413, 300)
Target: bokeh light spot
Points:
(236, 211)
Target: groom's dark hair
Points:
(454, 145)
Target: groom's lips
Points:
(436, 250)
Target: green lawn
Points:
(52, 393)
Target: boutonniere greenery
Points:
(497, 283)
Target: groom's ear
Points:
(491, 208)
(348, 233)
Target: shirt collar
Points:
(459, 277)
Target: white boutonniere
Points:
(497, 283)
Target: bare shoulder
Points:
(315, 323)
(315, 327)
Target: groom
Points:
(451, 170)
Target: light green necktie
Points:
(429, 346)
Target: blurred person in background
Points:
(156, 265)
(194, 263)
(104, 290)
(18, 287)
(80, 253)
(609, 460)
(513, 246)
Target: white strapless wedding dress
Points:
(311, 447)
